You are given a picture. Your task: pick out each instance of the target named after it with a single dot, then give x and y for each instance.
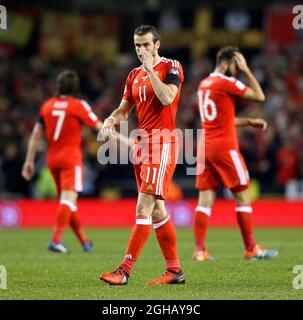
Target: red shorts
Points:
(69, 178)
(222, 166)
(154, 166)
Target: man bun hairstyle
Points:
(226, 54)
(144, 29)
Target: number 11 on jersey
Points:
(142, 93)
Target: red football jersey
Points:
(62, 118)
(216, 100)
(152, 115)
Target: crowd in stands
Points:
(274, 157)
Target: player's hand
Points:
(241, 61)
(148, 60)
(108, 129)
(28, 171)
(131, 142)
(258, 123)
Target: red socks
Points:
(244, 218)
(67, 215)
(245, 221)
(166, 236)
(77, 228)
(167, 239)
(138, 238)
(202, 215)
(64, 213)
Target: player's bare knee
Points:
(145, 204)
(159, 210)
(157, 214)
(243, 197)
(140, 210)
(69, 195)
(207, 198)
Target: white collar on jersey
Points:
(222, 76)
(215, 74)
(157, 62)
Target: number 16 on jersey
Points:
(207, 107)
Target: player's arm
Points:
(120, 114)
(90, 119)
(98, 126)
(120, 137)
(166, 93)
(251, 122)
(254, 91)
(28, 169)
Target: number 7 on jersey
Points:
(61, 115)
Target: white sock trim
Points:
(247, 209)
(206, 210)
(146, 221)
(160, 224)
(69, 204)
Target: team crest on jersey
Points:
(145, 77)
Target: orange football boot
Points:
(260, 253)
(200, 255)
(170, 277)
(117, 277)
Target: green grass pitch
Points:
(35, 273)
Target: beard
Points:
(153, 53)
(228, 72)
(233, 73)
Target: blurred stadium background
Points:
(95, 38)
